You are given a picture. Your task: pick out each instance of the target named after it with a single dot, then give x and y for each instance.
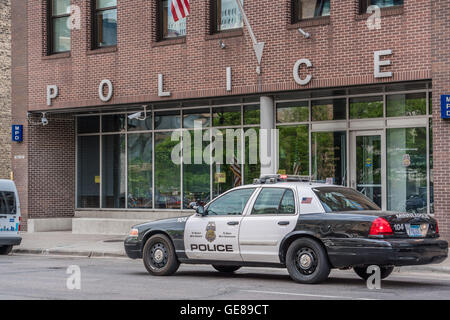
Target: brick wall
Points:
(440, 43)
(52, 173)
(341, 50)
(5, 89)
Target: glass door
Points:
(367, 165)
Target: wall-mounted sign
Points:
(17, 133)
(445, 106)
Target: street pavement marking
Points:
(306, 295)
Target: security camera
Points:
(136, 115)
(304, 33)
(44, 119)
(222, 44)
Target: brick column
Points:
(440, 44)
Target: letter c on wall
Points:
(110, 90)
(300, 81)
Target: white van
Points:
(9, 217)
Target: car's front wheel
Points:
(307, 261)
(159, 256)
(5, 250)
(362, 272)
(226, 269)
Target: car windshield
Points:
(343, 199)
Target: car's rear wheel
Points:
(5, 250)
(226, 269)
(362, 272)
(307, 261)
(159, 256)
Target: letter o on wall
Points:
(110, 90)
(300, 81)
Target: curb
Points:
(74, 253)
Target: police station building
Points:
(354, 88)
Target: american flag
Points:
(236, 169)
(180, 9)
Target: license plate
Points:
(415, 231)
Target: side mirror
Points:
(201, 211)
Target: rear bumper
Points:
(404, 252)
(10, 240)
(133, 248)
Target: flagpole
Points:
(257, 46)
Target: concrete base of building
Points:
(116, 222)
(48, 225)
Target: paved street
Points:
(44, 277)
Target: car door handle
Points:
(283, 223)
(233, 223)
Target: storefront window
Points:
(412, 104)
(252, 115)
(431, 168)
(140, 190)
(88, 124)
(367, 107)
(227, 116)
(407, 169)
(113, 123)
(88, 175)
(329, 157)
(196, 174)
(141, 125)
(333, 109)
(170, 28)
(294, 150)
(307, 9)
(293, 112)
(167, 173)
(228, 174)
(167, 120)
(113, 171)
(252, 165)
(190, 117)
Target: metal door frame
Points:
(352, 160)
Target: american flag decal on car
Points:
(306, 200)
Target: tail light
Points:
(380, 227)
(437, 228)
(20, 224)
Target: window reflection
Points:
(171, 28)
(140, 191)
(113, 171)
(228, 15)
(311, 8)
(407, 169)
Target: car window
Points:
(343, 199)
(274, 201)
(7, 202)
(231, 204)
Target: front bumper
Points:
(133, 248)
(398, 252)
(10, 240)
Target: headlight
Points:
(134, 233)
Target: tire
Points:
(159, 256)
(362, 272)
(307, 261)
(5, 250)
(226, 269)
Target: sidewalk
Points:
(66, 243)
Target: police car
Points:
(283, 221)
